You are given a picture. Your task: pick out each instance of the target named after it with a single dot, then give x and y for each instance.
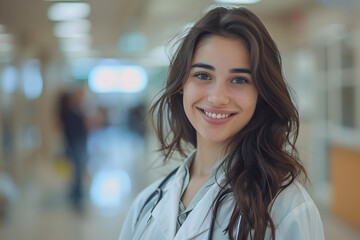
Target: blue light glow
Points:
(109, 188)
(117, 78)
(132, 42)
(80, 67)
(9, 79)
(32, 79)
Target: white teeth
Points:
(216, 116)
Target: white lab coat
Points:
(294, 214)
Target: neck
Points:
(207, 155)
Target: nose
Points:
(219, 94)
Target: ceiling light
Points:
(84, 54)
(81, 40)
(74, 48)
(68, 11)
(238, 1)
(70, 29)
(117, 78)
(76, 44)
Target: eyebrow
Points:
(203, 65)
(233, 70)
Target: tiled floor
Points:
(42, 212)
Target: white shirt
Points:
(294, 214)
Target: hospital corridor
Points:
(77, 79)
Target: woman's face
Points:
(219, 96)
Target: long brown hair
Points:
(262, 159)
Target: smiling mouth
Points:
(216, 115)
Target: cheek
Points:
(193, 93)
(187, 98)
(247, 100)
(252, 101)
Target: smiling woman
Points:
(226, 97)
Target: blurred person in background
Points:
(226, 98)
(72, 121)
(137, 119)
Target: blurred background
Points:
(76, 78)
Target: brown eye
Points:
(202, 76)
(240, 80)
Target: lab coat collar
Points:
(169, 205)
(199, 218)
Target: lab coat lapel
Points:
(165, 213)
(199, 218)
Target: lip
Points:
(214, 121)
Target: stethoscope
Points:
(158, 192)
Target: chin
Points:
(216, 138)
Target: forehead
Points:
(222, 51)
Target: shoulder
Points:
(294, 213)
(132, 214)
(291, 197)
(136, 208)
(140, 200)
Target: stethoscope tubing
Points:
(159, 193)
